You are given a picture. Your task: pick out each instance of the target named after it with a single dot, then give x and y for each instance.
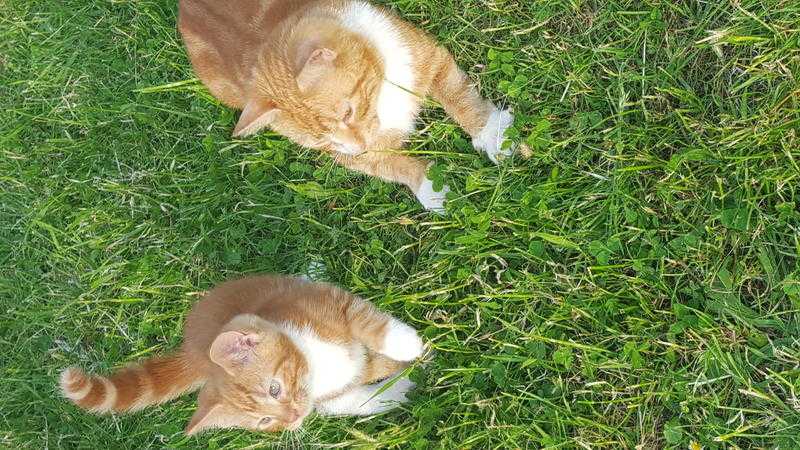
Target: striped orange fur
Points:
(342, 76)
(265, 351)
(153, 381)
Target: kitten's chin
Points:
(297, 423)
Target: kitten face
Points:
(340, 86)
(323, 96)
(264, 387)
(344, 103)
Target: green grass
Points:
(634, 283)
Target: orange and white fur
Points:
(266, 351)
(343, 76)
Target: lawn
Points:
(634, 283)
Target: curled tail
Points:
(150, 382)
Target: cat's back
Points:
(228, 17)
(259, 295)
(277, 298)
(223, 37)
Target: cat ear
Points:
(257, 114)
(203, 418)
(233, 349)
(317, 62)
(321, 56)
(210, 413)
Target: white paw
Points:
(365, 400)
(492, 136)
(397, 392)
(430, 199)
(388, 399)
(401, 342)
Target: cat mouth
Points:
(297, 423)
(348, 149)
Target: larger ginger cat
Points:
(342, 76)
(265, 352)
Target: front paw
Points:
(493, 135)
(401, 342)
(430, 199)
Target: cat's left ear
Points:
(232, 350)
(316, 65)
(321, 56)
(257, 114)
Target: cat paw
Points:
(492, 136)
(430, 199)
(401, 343)
(397, 391)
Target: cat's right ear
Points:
(232, 350)
(210, 413)
(257, 114)
(203, 418)
(316, 66)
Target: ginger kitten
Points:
(265, 351)
(342, 76)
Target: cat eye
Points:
(274, 389)
(264, 422)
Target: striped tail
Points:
(152, 381)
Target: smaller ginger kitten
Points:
(265, 351)
(342, 76)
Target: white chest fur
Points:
(397, 106)
(331, 366)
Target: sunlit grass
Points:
(634, 283)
